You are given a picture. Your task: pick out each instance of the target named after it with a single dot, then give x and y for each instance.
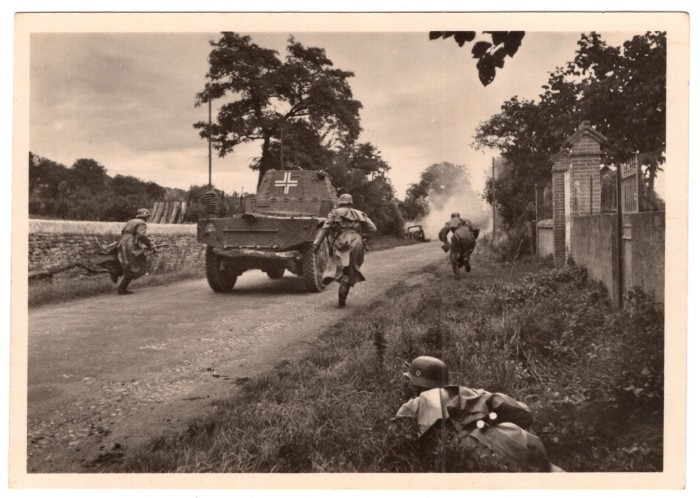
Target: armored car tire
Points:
(276, 273)
(313, 265)
(220, 279)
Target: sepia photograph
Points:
(349, 250)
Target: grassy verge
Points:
(592, 376)
(66, 289)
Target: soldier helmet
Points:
(455, 215)
(427, 371)
(143, 213)
(453, 223)
(344, 199)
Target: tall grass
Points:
(593, 377)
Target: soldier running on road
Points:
(131, 250)
(346, 225)
(463, 241)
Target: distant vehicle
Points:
(415, 232)
(275, 234)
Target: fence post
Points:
(620, 280)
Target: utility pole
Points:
(282, 146)
(209, 135)
(493, 194)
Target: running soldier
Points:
(464, 235)
(346, 227)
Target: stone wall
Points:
(545, 238)
(648, 253)
(593, 245)
(54, 243)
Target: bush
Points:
(509, 245)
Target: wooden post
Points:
(493, 195)
(159, 212)
(534, 231)
(183, 209)
(281, 145)
(176, 211)
(590, 194)
(620, 290)
(209, 134)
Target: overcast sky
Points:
(127, 100)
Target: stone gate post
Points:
(575, 184)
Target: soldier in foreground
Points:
(346, 226)
(467, 430)
(463, 241)
(131, 250)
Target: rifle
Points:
(139, 252)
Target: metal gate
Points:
(631, 185)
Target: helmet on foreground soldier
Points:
(344, 200)
(427, 371)
(455, 215)
(143, 213)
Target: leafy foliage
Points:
(86, 192)
(489, 55)
(303, 95)
(360, 171)
(620, 90)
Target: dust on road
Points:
(108, 373)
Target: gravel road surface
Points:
(108, 373)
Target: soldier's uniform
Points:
(468, 430)
(346, 226)
(464, 235)
(133, 239)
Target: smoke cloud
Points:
(447, 197)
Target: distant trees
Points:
(438, 183)
(303, 95)
(621, 90)
(86, 192)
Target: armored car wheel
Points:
(276, 273)
(313, 266)
(220, 279)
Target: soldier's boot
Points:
(455, 270)
(467, 266)
(343, 291)
(123, 287)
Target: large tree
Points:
(621, 90)
(359, 170)
(266, 96)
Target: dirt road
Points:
(108, 373)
